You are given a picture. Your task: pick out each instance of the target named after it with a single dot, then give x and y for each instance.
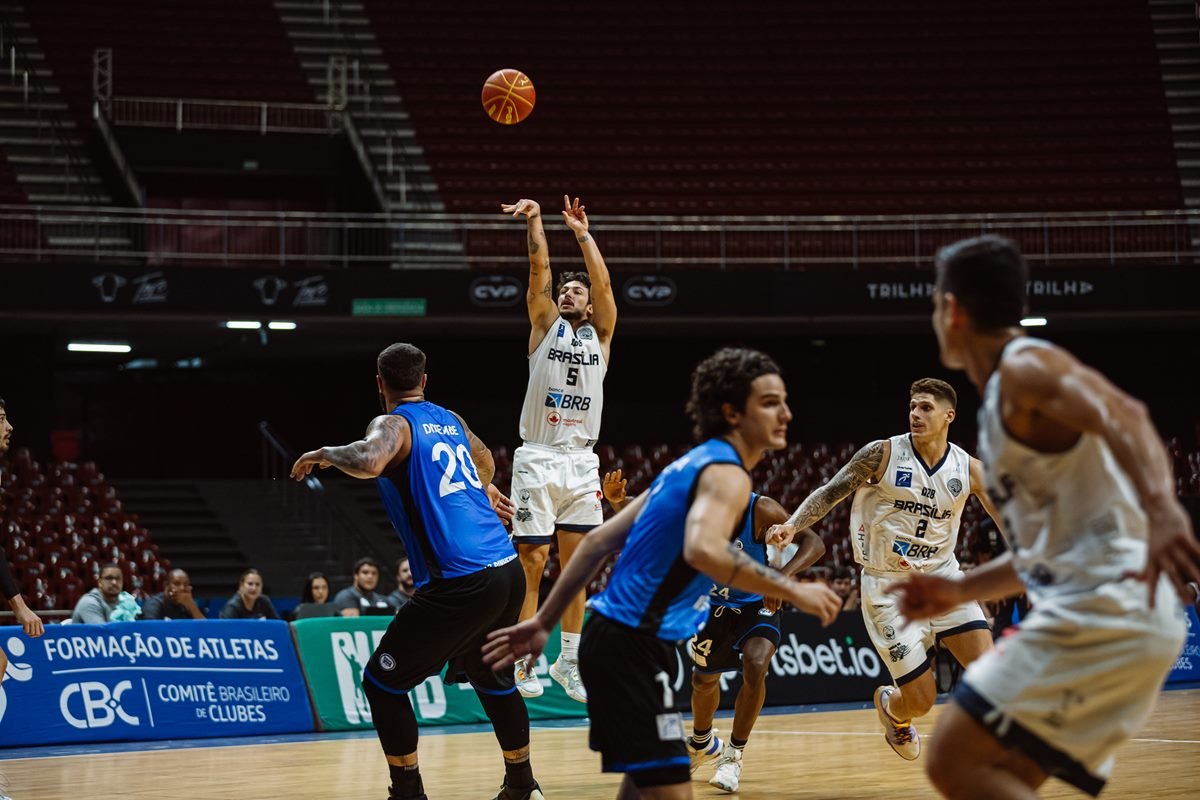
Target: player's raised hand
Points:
(781, 535)
(305, 463)
(529, 208)
(816, 599)
(613, 487)
(505, 646)
(501, 504)
(1173, 550)
(574, 216)
(923, 596)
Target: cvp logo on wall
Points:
(311, 292)
(650, 290)
(97, 705)
(495, 291)
(148, 288)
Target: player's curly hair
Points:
(724, 377)
(567, 277)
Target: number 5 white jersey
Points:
(565, 396)
(909, 520)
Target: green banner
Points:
(335, 650)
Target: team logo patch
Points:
(524, 495)
(553, 418)
(585, 333)
(387, 663)
(904, 477)
(524, 515)
(554, 399)
(599, 495)
(955, 486)
(737, 543)
(889, 632)
(898, 651)
(562, 329)
(900, 547)
(904, 564)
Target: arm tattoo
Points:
(362, 457)
(583, 238)
(741, 562)
(533, 245)
(849, 478)
(549, 290)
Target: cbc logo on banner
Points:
(99, 705)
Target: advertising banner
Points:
(1187, 667)
(151, 680)
(335, 650)
(812, 665)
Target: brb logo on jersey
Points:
(567, 402)
(913, 550)
(904, 478)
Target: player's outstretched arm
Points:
(31, 622)
(866, 464)
(528, 638)
(1053, 384)
(720, 501)
(604, 304)
(539, 294)
(388, 438)
(922, 596)
(809, 547)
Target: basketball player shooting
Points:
(556, 474)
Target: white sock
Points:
(570, 647)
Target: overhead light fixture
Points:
(1033, 322)
(281, 326)
(243, 324)
(98, 347)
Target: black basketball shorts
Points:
(718, 645)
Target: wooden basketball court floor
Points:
(823, 754)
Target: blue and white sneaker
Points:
(706, 754)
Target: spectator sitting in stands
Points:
(106, 603)
(249, 602)
(361, 598)
(842, 583)
(314, 599)
(404, 585)
(174, 602)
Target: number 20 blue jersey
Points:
(436, 502)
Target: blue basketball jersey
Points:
(437, 503)
(726, 595)
(652, 588)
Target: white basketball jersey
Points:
(565, 396)
(1073, 519)
(909, 520)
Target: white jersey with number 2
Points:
(909, 520)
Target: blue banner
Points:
(1187, 667)
(151, 680)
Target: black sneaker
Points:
(393, 796)
(532, 793)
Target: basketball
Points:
(508, 96)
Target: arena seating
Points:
(61, 523)
(876, 108)
(223, 49)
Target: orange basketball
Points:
(508, 96)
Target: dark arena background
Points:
(215, 213)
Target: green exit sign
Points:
(389, 306)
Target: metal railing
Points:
(181, 113)
(20, 70)
(420, 240)
(305, 501)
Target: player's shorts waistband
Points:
(557, 448)
(888, 574)
(501, 562)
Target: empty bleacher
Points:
(861, 107)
